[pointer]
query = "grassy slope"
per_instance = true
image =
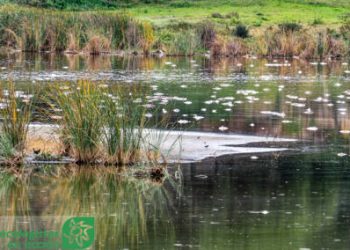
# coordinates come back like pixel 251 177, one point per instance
pixel 274 11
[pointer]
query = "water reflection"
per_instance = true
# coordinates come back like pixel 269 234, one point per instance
pixel 285 203
pixel 268 202
pixel 128 211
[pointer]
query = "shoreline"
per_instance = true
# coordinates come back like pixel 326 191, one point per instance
pixel 177 146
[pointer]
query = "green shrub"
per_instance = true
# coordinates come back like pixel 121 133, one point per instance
pixel 241 31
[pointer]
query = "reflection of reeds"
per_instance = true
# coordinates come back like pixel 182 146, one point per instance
pixel 117 203
pixel 124 207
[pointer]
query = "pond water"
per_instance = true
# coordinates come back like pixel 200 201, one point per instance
pixel 295 200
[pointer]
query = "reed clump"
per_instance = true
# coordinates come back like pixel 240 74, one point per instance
pixel 81 125
pixel 15 112
pixel 101 124
pixel 292 40
pixel 36 30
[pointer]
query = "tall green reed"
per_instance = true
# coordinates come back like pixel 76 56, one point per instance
pixel 15 112
pixel 81 124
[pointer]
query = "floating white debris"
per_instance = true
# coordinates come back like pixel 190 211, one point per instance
pixel 198 117
pixel 148 115
pixel 176 110
pixel 337 84
pixel 178 245
pixel 201 176
pixel 164 111
pixel 282 115
pixel 223 128
pixel 254 157
pixel 341 154
pixel 203 109
pixel 312 129
pixel 188 102
pixel 259 212
pixel 252 125
pixel 298 105
pixel 183 121
pixel 214 111
pixel 344 131
pixel 227 104
pixel 293 97
pixel 308 111
pixel 184 86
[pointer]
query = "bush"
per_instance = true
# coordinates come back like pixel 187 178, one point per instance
pixel 241 31
pixel 217 15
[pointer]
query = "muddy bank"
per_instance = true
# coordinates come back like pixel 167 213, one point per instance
pixel 176 146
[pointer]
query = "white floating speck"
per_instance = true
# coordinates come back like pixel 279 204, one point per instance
pixel 259 212
pixel 223 128
pixel 312 129
pixel 183 121
pixel 198 117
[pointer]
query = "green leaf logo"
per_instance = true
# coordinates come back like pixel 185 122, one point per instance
pixel 78 233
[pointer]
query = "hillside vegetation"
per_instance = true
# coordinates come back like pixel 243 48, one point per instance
pixel 302 28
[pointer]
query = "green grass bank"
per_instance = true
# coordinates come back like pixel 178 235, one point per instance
pixel 308 29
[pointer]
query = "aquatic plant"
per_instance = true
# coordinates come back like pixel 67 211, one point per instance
pixel 103 124
pixel 207 34
pixel 35 30
pixel 124 122
pixel 81 123
pixel 15 113
pixel 183 43
pixel 148 38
